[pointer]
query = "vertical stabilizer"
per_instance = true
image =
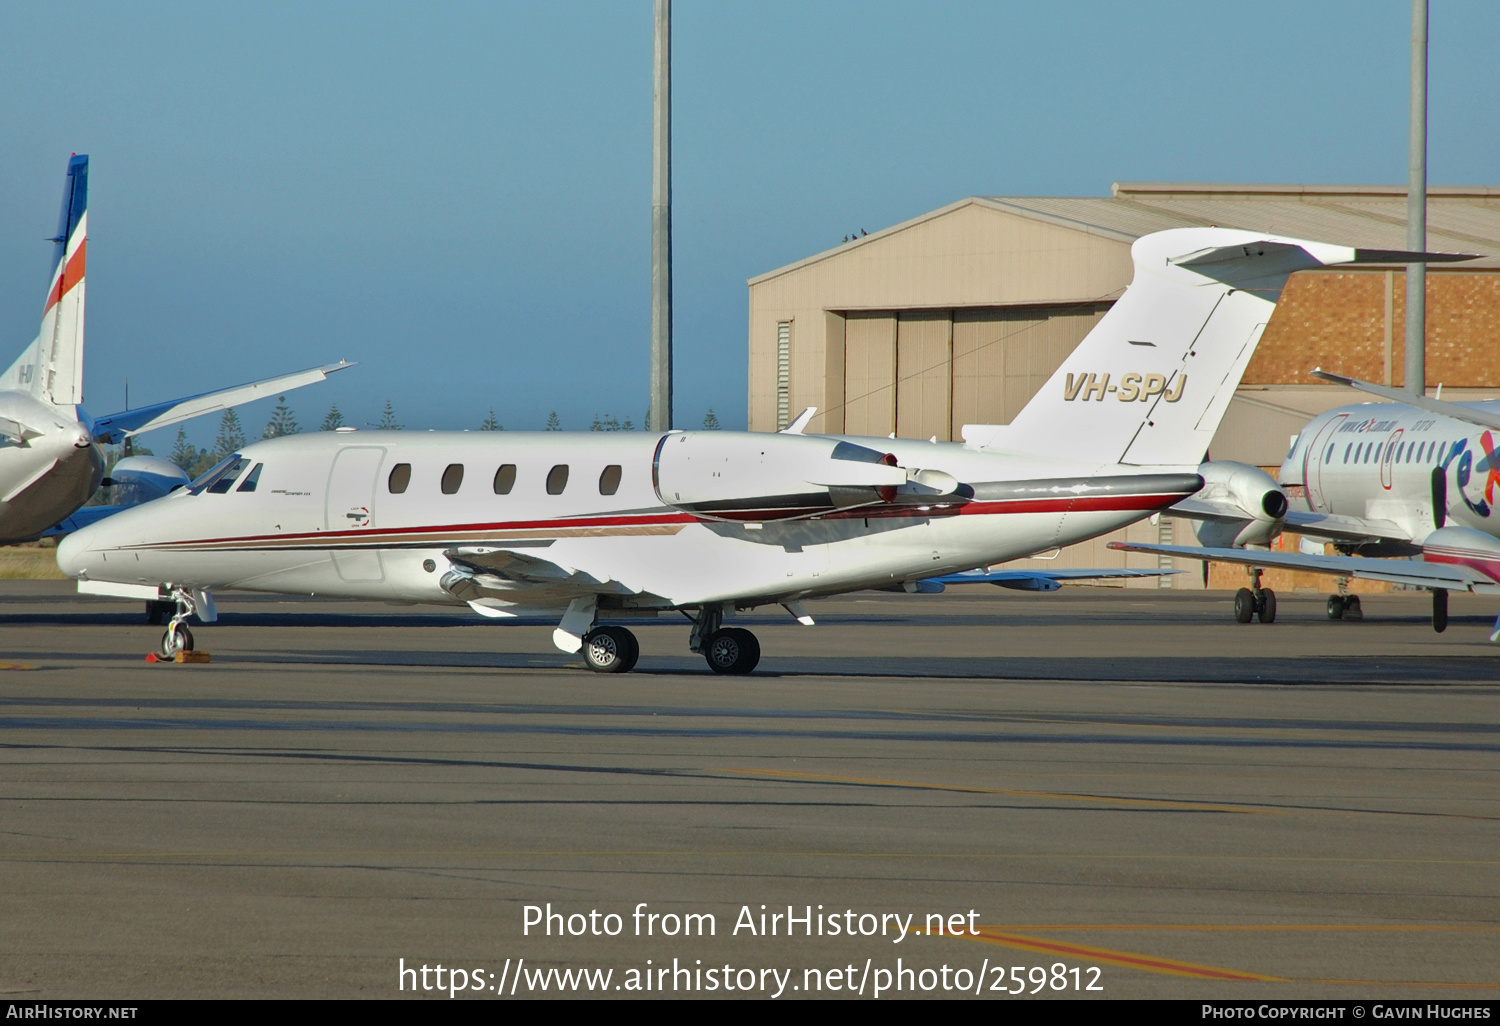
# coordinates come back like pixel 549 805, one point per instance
pixel 51 369
pixel 1150 384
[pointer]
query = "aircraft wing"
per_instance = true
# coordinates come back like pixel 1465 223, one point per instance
pixel 1455 410
pixel 1334 525
pixel 482 571
pixel 81 518
pixel 1031 580
pixel 115 427
pixel 1414 572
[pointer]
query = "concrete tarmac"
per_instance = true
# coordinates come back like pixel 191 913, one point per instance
pixel 1126 783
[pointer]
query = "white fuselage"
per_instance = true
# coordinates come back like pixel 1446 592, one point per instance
pixel 1375 461
pixel 330 514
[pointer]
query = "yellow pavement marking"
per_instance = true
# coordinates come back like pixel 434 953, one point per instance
pixel 1006 937
pixel 1124 959
pixel 919 785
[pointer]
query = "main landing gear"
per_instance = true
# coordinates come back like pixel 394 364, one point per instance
pixel 1255 601
pixel 1344 606
pixel 607 649
pixel 733 651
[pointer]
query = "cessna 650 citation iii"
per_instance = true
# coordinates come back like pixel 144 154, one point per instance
pixel 50 460
pixel 607 526
pixel 1414 478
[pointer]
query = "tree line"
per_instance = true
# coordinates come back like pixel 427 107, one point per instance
pixel 231 437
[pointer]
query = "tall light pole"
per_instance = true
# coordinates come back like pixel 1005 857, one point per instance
pixel 661 223
pixel 1416 207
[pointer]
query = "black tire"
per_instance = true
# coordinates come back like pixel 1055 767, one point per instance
pixel 1265 608
pixel 171 646
pixel 1244 605
pixel 610 650
pixel 733 651
pixel 1335 607
pixel 1439 610
pixel 1352 610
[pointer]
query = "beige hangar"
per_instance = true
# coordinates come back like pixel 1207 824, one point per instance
pixel 958 316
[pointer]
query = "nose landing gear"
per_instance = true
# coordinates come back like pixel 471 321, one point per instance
pixel 178 638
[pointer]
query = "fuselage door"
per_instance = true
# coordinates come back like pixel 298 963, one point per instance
pixel 1389 457
pixel 350 509
pixel 1316 459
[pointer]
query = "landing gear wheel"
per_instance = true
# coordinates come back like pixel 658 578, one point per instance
pixel 1265 605
pixel 733 651
pixel 1352 611
pixel 610 650
pixel 1335 607
pixel 1439 610
pixel 177 639
pixel 1244 605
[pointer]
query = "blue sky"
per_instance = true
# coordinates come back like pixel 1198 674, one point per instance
pixel 458 195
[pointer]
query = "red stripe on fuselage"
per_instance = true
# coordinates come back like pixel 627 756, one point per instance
pixel 1071 504
pixel 72 275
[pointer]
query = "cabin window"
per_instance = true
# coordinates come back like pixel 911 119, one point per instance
pixel 452 478
pixel 505 478
pixel 1399 450
pixel 609 481
pixel 225 480
pixel 1346 451
pixel 557 479
pixel 399 479
pixel 1328 456
pixel 251 479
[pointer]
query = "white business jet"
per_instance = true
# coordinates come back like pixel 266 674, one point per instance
pixel 1411 478
pixel 597 527
pixel 50 457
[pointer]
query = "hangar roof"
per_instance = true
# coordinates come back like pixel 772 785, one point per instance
pixel 1460 219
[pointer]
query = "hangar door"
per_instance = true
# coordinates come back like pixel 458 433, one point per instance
pixel 922 373
pixel 1002 355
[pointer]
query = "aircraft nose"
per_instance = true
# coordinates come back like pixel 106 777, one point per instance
pixel 73 553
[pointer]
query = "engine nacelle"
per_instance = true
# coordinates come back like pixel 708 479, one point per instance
pixel 754 477
pixel 1240 489
pixel 143 478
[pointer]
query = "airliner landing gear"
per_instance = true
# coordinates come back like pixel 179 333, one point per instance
pixel 610 650
pixel 1255 601
pixel 1439 609
pixel 729 650
pixel 1344 607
